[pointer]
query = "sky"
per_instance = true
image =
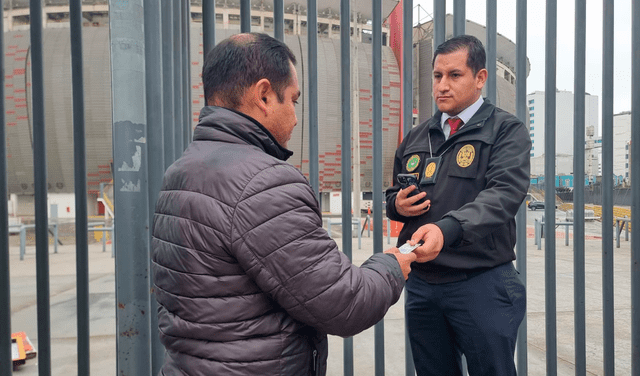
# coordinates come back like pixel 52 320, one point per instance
pixel 536 20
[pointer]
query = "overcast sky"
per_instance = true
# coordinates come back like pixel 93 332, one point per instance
pixel 536 16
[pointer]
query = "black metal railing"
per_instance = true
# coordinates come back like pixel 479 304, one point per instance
pixel 152 125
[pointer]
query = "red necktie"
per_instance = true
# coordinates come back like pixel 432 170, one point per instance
pixel 455 124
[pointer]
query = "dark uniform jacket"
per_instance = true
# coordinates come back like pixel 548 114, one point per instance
pixel 247 280
pixel 481 182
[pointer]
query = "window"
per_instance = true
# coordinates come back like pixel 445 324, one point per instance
pixel 530 115
pixel 626 156
pixel 531 155
pixel 532 128
pixel 531 121
pixel 626 174
pixel 532 148
pixel 531 101
pixel 531 108
pixel 532 141
pixel 626 147
pixel 625 165
pixel 530 134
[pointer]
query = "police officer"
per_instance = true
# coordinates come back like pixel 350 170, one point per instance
pixel 472 161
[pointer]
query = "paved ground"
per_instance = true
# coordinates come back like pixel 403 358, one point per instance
pixel 102 298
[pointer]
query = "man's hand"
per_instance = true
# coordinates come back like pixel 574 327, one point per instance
pixel 404 260
pixel 433 242
pixel 405 205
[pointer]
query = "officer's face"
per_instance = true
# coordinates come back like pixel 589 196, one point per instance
pixel 455 87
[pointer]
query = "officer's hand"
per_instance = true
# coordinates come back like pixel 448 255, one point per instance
pixel 405 205
pixel 404 260
pixel 433 242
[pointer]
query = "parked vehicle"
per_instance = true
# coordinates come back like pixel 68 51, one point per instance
pixel 534 205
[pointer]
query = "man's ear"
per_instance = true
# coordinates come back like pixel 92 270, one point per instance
pixel 482 78
pixel 262 95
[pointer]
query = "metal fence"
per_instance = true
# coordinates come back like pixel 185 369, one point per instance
pixel 151 128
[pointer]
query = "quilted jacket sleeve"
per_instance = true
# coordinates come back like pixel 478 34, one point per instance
pixel 278 239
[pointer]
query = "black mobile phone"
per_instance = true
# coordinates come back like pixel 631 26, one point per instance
pixel 407 180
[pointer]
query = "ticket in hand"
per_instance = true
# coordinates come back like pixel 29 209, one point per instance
pixel 408 248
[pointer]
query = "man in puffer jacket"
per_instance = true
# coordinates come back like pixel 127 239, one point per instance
pixel 247 280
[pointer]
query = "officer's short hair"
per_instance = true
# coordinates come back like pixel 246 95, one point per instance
pixel 477 56
pixel 240 61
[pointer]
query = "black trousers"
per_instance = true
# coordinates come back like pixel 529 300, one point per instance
pixel 478 317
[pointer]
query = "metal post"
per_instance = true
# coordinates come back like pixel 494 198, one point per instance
pixel 80 187
pixel 186 76
pixel 245 16
pixel 208 26
pixel 439 22
pixel 549 171
pixel 459 17
pixel 521 217
pixel 579 278
pixel 407 120
pixel 130 187
pixel 345 83
pixel 23 242
pixel 177 80
pixel 40 192
pixel 5 283
pixel 155 144
pixel 635 190
pixel 377 164
pixel 407 66
pixel 312 35
pixel 491 47
pixel 168 108
pixel 278 19
pixel 607 189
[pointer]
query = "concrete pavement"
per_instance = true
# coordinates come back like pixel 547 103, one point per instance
pixel 102 311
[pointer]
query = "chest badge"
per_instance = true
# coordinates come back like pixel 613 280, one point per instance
pixel 465 156
pixel 413 162
pixel 430 170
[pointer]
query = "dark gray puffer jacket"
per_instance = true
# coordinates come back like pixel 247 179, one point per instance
pixel 248 281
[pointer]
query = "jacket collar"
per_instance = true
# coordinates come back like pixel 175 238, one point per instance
pixel 226 125
pixel 479 118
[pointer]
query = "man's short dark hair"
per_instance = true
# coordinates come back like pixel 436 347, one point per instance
pixel 240 61
pixel 477 57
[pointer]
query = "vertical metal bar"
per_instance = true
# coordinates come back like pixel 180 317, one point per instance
pixel 407 66
pixel 521 217
pixel 607 188
pixel 186 75
pixel 80 189
pixel 245 16
pixel 155 144
pixel 40 185
pixel 579 281
pixel 407 119
pixel 549 182
pixel 312 35
pixel 278 19
pixel 5 281
pixel 345 84
pixel 635 188
pixel 491 47
pixel 177 80
pixel 459 17
pixel 208 26
pixel 377 164
pixel 439 22
pixel 130 187
pixel 168 108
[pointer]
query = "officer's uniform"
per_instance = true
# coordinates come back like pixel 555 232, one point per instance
pixel 469 299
